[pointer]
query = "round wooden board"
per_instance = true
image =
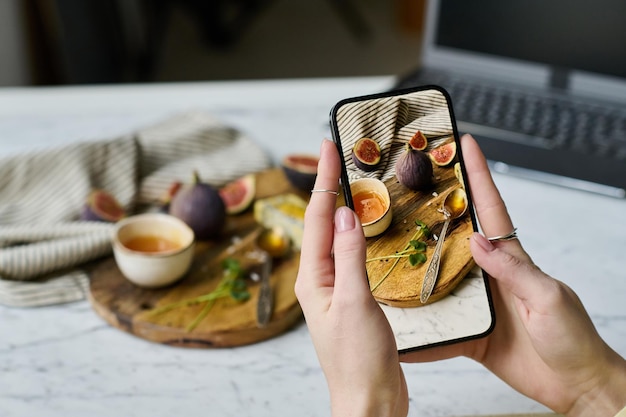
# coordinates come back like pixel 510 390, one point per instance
pixel 402 286
pixel 229 323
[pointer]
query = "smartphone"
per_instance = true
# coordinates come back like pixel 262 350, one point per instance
pixel 403 174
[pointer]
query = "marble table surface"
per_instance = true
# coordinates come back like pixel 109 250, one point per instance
pixel 65 360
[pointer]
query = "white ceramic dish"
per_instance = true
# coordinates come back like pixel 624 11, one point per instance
pixel 382 222
pixel 153 250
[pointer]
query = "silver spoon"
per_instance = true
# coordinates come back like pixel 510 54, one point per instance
pixel 273 243
pixel 454 206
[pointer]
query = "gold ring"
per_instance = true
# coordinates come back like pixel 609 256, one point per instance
pixel 510 236
pixel 325 191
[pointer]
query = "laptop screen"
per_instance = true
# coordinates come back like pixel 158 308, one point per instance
pixel 541 84
pixel 568 34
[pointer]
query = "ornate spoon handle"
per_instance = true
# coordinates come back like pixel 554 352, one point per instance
pixel 433 268
pixel 265 303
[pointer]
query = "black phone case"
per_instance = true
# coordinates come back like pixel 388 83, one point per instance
pixel 369 114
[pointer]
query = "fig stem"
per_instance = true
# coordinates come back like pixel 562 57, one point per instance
pixel 196 177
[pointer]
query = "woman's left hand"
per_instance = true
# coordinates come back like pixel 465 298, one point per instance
pixel 351 335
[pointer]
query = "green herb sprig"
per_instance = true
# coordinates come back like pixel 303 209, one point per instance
pixel 414 250
pixel 232 284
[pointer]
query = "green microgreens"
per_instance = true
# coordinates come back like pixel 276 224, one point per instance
pixel 231 285
pixel 414 251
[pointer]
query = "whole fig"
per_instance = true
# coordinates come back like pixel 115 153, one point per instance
pixel 201 207
pixel 414 169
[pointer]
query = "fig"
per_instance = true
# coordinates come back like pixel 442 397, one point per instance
pixel 201 207
pixel 418 141
pixel 102 206
pixel 238 194
pixel 366 154
pixel 301 170
pixel 414 169
pixel 443 155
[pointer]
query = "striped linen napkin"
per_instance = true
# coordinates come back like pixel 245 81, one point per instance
pixel 391 122
pixel 43 244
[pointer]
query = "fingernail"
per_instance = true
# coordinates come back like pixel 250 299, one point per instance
pixel 344 219
pixel 483 242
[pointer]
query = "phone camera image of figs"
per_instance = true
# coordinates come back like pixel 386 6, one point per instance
pixel 418 141
pixel 102 206
pixel 201 207
pixel 414 169
pixel 301 170
pixel 443 155
pixel 366 154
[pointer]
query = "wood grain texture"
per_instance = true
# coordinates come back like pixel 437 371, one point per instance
pixel 229 323
pixel 402 286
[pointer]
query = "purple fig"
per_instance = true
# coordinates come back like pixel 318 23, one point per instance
pixel 201 207
pixel 414 169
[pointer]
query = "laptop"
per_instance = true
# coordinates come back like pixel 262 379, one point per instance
pixel 540 84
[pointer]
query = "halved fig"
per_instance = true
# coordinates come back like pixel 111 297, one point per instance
pixel 301 170
pixel 366 154
pixel 238 194
pixel 443 155
pixel 418 141
pixel 102 206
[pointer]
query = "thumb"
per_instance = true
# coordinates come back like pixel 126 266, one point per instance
pixel 349 255
pixel 519 276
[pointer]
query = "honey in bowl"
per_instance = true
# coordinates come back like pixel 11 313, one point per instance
pixel 368 205
pixel 151 244
pixel 372 203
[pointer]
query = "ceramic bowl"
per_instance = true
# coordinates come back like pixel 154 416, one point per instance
pixel 153 250
pixel 300 170
pixel 373 205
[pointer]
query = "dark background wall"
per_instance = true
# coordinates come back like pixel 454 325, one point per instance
pixel 112 41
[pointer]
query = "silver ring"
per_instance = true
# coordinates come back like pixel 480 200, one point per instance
pixel 325 191
pixel 510 236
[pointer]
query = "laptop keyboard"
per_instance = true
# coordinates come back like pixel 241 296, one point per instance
pixel 544 121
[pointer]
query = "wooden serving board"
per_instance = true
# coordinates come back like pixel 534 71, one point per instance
pixel 229 322
pixel 402 286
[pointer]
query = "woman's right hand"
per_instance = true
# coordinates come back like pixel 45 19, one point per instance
pixel 544 344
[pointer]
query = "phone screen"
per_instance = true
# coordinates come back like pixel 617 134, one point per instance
pixel 404 176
